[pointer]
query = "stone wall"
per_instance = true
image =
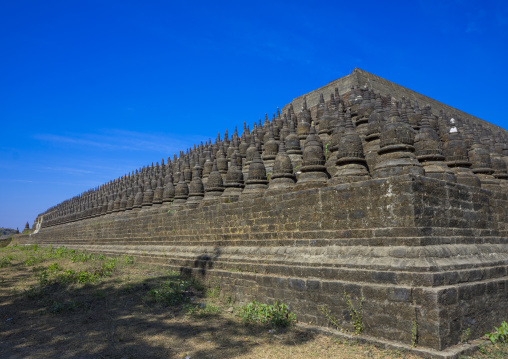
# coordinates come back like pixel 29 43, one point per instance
pixel 418 250
pixel 365 199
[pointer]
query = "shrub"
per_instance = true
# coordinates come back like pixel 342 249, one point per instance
pixel 500 335
pixel 277 315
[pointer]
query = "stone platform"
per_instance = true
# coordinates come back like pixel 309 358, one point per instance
pixel 419 251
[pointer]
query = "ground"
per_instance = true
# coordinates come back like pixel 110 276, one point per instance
pixel 58 303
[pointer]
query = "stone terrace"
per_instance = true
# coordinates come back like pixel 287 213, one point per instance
pixel 398 200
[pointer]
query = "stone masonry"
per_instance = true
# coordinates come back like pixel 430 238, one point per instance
pixel 362 188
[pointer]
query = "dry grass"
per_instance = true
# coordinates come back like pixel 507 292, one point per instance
pixel 115 316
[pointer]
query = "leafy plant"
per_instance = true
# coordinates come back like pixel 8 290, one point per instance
pixel 356 314
pixel 414 334
pixel 464 337
pixel 171 292
pixel 500 335
pixel 86 277
pixel 277 315
pixel 128 259
pixel 213 292
pixel 54 267
pixel 330 317
pixel 6 261
pixel 31 260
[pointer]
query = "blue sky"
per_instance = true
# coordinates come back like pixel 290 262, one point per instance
pixel 90 90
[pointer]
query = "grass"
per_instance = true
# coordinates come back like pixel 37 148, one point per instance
pixel 58 302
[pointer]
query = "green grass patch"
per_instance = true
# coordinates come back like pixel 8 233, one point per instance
pixel 276 315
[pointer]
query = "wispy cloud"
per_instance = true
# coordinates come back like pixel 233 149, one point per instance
pixel 472 27
pixel 119 140
pixel 67 170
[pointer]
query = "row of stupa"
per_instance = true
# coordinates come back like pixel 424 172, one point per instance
pixel 354 137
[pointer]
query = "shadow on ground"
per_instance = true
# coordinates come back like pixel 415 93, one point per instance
pixel 115 319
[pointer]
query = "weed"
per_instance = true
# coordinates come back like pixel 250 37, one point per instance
pixel 196 284
pixel 82 257
pixel 57 307
pixel 356 314
pixel 31 247
pixel 68 276
pixel 201 310
pixel 464 336
pixel 277 315
pixel 172 292
pixel 327 151
pixel 5 261
pixel 31 260
pixel 268 175
pixel 86 277
pixel 43 278
pixel 329 316
pixel 107 267
pixel 54 267
pixel 500 335
pixel 128 259
pixel 414 334
pixel 213 292
pixel 295 170
pixel 35 292
pixel 60 252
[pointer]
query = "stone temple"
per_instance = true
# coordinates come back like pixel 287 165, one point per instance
pixel 361 187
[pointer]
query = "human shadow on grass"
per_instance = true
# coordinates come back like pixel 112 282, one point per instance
pixel 105 319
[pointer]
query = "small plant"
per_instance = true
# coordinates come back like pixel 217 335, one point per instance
pixel 295 170
pixel 464 336
pixel 327 152
pixel 31 260
pixel 54 267
pixel 268 175
pixel 5 261
pixel 277 315
pixel 68 276
pixel 213 292
pixel 82 257
pixel 201 310
pixel 107 267
pixel 57 307
pixel 500 335
pixel 172 292
pixel 34 292
pixel 329 316
pixel 414 334
pixel 43 278
pixel 60 252
pixel 128 259
pixel 86 277
pixel 356 314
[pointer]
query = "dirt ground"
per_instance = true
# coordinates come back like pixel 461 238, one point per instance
pixel 50 309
